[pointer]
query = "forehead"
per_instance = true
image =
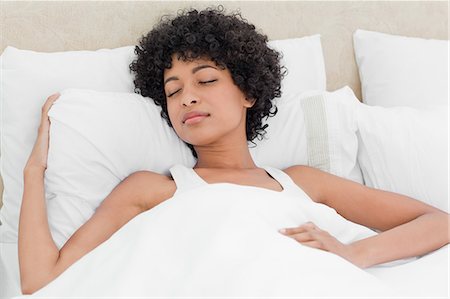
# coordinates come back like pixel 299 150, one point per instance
pixel 179 64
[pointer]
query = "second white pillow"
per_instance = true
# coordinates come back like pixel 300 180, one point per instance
pixel 405 150
pixel 401 71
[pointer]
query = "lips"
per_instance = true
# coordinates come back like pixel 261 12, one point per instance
pixel 194 114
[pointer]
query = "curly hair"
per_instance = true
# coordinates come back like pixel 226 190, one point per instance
pixel 230 42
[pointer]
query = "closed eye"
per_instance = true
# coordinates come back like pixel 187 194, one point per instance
pixel 173 93
pixel 201 82
pixel 209 81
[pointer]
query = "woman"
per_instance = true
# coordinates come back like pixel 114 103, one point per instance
pixel 215 77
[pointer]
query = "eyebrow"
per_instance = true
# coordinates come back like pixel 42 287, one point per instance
pixel 194 70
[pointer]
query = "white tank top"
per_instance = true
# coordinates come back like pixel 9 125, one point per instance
pixel 186 179
pixel 290 207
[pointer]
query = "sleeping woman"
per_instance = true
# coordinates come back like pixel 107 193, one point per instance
pixel 215 78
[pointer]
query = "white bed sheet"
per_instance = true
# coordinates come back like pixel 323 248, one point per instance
pixel 237 224
pixel 426 277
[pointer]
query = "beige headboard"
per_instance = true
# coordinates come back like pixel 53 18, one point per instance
pixel 89 25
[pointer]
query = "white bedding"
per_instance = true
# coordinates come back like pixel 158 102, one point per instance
pixel 215 242
pixel 426 277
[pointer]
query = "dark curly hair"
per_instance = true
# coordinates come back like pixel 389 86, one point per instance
pixel 229 41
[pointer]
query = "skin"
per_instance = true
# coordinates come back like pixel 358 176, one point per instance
pixel 223 156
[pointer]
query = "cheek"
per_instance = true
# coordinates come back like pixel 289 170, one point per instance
pixel 172 113
pixel 230 116
pixel 233 112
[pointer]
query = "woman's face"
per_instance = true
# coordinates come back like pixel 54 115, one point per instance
pixel 203 103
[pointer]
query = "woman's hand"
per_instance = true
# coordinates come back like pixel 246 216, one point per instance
pixel 38 156
pixel 310 235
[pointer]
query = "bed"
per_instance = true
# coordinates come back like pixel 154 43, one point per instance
pixel 366 98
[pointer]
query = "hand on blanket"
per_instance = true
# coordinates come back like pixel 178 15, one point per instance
pixel 39 154
pixel 310 235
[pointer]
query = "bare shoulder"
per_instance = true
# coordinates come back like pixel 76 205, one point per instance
pixel 309 179
pixel 152 188
pixel 297 170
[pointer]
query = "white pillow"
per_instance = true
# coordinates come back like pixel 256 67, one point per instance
pixel 29 77
pixel 304 61
pixel 315 128
pixel 99 138
pixel 401 71
pixel 405 150
pixel 96 140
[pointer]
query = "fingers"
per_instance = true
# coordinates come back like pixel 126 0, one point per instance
pixel 304 237
pixel 45 122
pixel 312 236
pixel 49 102
pixel 315 244
pixel 308 226
pixel 307 234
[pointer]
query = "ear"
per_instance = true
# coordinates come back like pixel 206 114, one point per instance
pixel 249 102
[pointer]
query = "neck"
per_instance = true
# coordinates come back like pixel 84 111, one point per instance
pixel 230 151
pixel 229 156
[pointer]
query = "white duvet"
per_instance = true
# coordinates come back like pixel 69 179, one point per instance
pixel 220 240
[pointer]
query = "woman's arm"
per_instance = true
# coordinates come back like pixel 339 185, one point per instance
pixel 40 261
pixel 37 250
pixel 409 227
pixel 35 239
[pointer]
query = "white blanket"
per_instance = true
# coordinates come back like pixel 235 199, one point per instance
pixel 220 240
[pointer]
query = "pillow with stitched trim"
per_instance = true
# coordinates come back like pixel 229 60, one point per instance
pixel 99 138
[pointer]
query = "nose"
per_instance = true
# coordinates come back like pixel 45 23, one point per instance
pixel 189 101
pixel 189 98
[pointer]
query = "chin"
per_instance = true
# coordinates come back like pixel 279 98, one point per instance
pixel 199 137
pixel 199 141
